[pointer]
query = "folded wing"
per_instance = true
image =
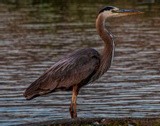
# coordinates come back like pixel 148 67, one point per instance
pixel 75 69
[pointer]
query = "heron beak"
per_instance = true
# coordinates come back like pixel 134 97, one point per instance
pixel 128 11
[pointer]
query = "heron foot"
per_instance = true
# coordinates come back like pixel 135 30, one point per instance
pixel 72 109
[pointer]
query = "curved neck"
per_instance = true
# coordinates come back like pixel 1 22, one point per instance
pixel 102 31
pixel 108 51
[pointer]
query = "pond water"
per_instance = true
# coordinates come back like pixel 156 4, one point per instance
pixel 32 37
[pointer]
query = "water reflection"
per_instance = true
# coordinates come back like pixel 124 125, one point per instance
pixel 34 35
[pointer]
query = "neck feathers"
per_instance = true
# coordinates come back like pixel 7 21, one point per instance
pixel 102 31
pixel 108 51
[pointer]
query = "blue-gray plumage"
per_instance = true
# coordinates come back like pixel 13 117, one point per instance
pixel 81 67
pixel 67 72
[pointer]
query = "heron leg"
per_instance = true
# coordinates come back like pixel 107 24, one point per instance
pixel 72 109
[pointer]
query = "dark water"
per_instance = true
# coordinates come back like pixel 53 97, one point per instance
pixel 33 35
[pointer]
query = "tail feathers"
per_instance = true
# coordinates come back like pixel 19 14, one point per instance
pixel 30 96
pixel 34 90
pixel 31 91
pixel 42 85
pixel 35 94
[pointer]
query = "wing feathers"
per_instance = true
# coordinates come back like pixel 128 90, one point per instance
pixel 65 73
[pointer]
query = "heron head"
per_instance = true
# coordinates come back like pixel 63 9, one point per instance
pixel 111 11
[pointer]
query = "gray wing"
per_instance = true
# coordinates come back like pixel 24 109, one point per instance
pixel 66 73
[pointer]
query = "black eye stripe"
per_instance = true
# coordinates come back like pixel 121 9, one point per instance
pixel 106 8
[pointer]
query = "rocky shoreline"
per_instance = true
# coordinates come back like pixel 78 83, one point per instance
pixel 100 122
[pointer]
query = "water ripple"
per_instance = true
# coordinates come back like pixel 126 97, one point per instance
pixel 129 89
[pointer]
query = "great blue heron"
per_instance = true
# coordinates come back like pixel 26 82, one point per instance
pixel 80 67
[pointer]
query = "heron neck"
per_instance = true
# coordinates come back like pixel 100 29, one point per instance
pixel 106 36
pixel 102 31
